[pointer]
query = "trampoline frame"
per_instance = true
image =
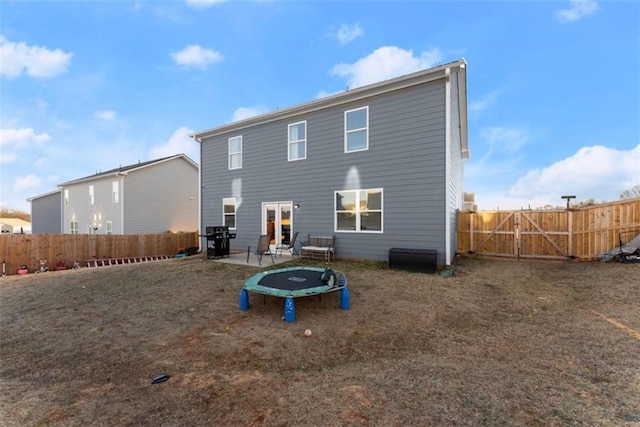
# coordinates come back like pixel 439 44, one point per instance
pixel 253 285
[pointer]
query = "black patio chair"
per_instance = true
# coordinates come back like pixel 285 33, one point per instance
pixel 288 246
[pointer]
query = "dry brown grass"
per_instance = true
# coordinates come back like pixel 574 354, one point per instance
pixel 499 343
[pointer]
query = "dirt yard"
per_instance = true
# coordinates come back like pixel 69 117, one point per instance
pixel 498 343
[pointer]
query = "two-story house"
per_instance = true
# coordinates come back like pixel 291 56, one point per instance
pixel 46 212
pixel 144 198
pixel 378 167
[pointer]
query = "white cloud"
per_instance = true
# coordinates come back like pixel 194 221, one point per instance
pixel 248 112
pixel 178 143
pixel 19 138
pixel 203 4
pixel 504 139
pixel 577 10
pixel 7 158
pixel 35 61
pixel 484 103
pixel 325 94
pixel 195 56
pixel 348 33
pixel 500 156
pixel 593 172
pixel 384 63
pixel 26 184
pixel 106 115
pixel 596 172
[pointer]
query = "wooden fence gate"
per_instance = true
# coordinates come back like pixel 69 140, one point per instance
pixel 553 234
pixel 519 234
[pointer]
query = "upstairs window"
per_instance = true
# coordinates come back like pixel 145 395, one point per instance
pixel 91 195
pixel 298 141
pixel 356 130
pixel 359 211
pixel 66 197
pixel 115 192
pixel 229 212
pixel 235 152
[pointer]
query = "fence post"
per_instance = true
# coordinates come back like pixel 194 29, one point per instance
pixel 570 236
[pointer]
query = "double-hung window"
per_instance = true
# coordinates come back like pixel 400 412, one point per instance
pixel 229 212
pixel 298 141
pixel 74 227
pixel 235 152
pixel 66 197
pixel 359 211
pixel 91 195
pixel 356 130
pixel 109 225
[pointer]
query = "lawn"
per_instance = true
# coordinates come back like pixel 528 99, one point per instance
pixel 498 343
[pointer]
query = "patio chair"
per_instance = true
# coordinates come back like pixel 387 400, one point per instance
pixel 261 249
pixel 288 246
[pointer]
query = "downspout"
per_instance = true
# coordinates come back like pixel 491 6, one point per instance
pixel 61 209
pixel 199 141
pixel 447 163
pixel 121 175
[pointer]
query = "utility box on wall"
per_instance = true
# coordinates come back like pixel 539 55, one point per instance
pixel 420 260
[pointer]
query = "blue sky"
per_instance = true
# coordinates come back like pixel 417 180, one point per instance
pixel 553 86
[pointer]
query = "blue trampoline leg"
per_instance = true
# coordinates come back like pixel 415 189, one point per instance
pixel 244 300
pixel 345 300
pixel 289 310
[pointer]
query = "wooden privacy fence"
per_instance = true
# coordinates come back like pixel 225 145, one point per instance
pixel 583 233
pixel 28 249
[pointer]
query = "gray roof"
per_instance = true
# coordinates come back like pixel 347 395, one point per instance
pixel 39 196
pixel 126 169
pixel 422 76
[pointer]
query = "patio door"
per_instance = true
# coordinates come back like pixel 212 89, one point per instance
pixel 277 221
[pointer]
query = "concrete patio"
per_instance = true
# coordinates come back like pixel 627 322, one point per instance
pixel 240 258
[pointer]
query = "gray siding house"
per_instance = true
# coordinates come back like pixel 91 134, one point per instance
pixel 144 198
pixel 378 167
pixel 46 213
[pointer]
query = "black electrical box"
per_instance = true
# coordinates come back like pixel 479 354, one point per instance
pixel 420 260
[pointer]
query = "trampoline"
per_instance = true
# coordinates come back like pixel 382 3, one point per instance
pixel 295 282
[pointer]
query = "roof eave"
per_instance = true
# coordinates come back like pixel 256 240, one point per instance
pixel 128 169
pixel 390 85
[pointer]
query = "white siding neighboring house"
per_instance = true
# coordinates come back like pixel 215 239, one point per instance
pixel 145 198
pixel 15 226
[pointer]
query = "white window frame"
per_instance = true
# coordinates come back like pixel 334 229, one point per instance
pixel 357 210
pixel 235 154
pixel 92 198
pixel 66 197
pixel 109 227
pixel 230 201
pixel 115 191
pixel 296 142
pixel 74 227
pixel 347 132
